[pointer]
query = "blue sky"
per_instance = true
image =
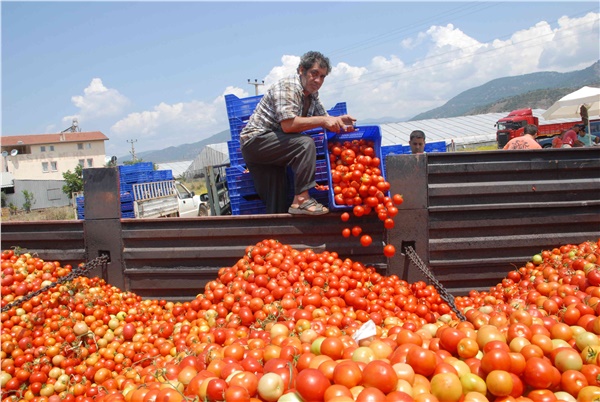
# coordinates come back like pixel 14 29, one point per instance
pixel 156 72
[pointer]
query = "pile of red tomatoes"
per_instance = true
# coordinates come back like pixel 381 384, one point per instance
pixel 295 325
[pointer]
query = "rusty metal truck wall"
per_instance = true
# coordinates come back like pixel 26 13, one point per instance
pixel 52 240
pixel 472 216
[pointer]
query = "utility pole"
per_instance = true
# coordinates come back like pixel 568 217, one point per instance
pixel 132 152
pixel 256 84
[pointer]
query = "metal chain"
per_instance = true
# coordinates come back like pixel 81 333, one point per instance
pixel 75 273
pixel 444 294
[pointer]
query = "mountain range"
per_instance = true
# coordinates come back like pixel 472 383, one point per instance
pixel 535 90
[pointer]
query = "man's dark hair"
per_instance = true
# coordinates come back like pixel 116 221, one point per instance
pixel 530 129
pixel 417 134
pixel 308 60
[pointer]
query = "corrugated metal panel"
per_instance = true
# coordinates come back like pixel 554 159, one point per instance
pixel 52 240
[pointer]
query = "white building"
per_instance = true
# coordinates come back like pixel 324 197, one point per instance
pixel 36 163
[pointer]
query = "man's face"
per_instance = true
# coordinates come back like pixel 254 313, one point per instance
pixel 417 145
pixel 581 132
pixel 312 79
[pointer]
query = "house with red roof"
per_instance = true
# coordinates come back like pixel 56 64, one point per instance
pixel 36 163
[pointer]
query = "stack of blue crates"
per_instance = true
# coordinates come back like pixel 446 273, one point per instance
pixel 243 197
pixel 129 175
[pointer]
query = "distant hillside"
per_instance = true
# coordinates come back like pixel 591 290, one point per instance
pixel 184 152
pixel 503 89
pixel 540 99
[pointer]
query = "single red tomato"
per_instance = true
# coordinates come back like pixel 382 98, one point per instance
pixel 389 250
pixel 311 384
pixel 381 375
pixel 347 373
pixel 538 373
pixel 397 199
pixel 366 240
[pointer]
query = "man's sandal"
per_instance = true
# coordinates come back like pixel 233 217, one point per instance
pixel 309 207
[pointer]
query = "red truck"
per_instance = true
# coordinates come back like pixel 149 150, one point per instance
pixel 512 126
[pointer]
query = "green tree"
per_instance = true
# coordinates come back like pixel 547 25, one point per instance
pixel 29 200
pixel 74 181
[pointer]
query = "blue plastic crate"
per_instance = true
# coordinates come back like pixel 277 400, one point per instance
pixel 241 206
pixel 239 181
pixel 235 153
pixel 438 146
pixel 133 178
pixel 338 110
pixel 372 133
pixel 236 126
pixel 241 108
pixel 125 188
pixel 322 171
pixel 138 167
pixel 128 214
pixel 319 139
pixel 126 197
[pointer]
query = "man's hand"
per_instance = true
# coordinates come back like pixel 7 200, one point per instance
pixel 336 124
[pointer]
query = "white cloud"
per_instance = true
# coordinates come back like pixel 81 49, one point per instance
pixel 574 42
pixel 455 62
pixel 97 102
pixel 174 124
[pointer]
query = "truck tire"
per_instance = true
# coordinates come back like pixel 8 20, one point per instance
pixel 203 210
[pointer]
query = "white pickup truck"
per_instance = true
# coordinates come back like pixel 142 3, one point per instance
pixel 167 198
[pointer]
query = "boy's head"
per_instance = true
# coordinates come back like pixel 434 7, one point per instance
pixel 417 142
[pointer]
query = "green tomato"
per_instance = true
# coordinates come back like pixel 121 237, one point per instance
pixel 315 347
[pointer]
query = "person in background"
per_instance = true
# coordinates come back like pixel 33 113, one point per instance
pixel 526 141
pixel 586 138
pixel 417 142
pixel 272 139
pixel 570 137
